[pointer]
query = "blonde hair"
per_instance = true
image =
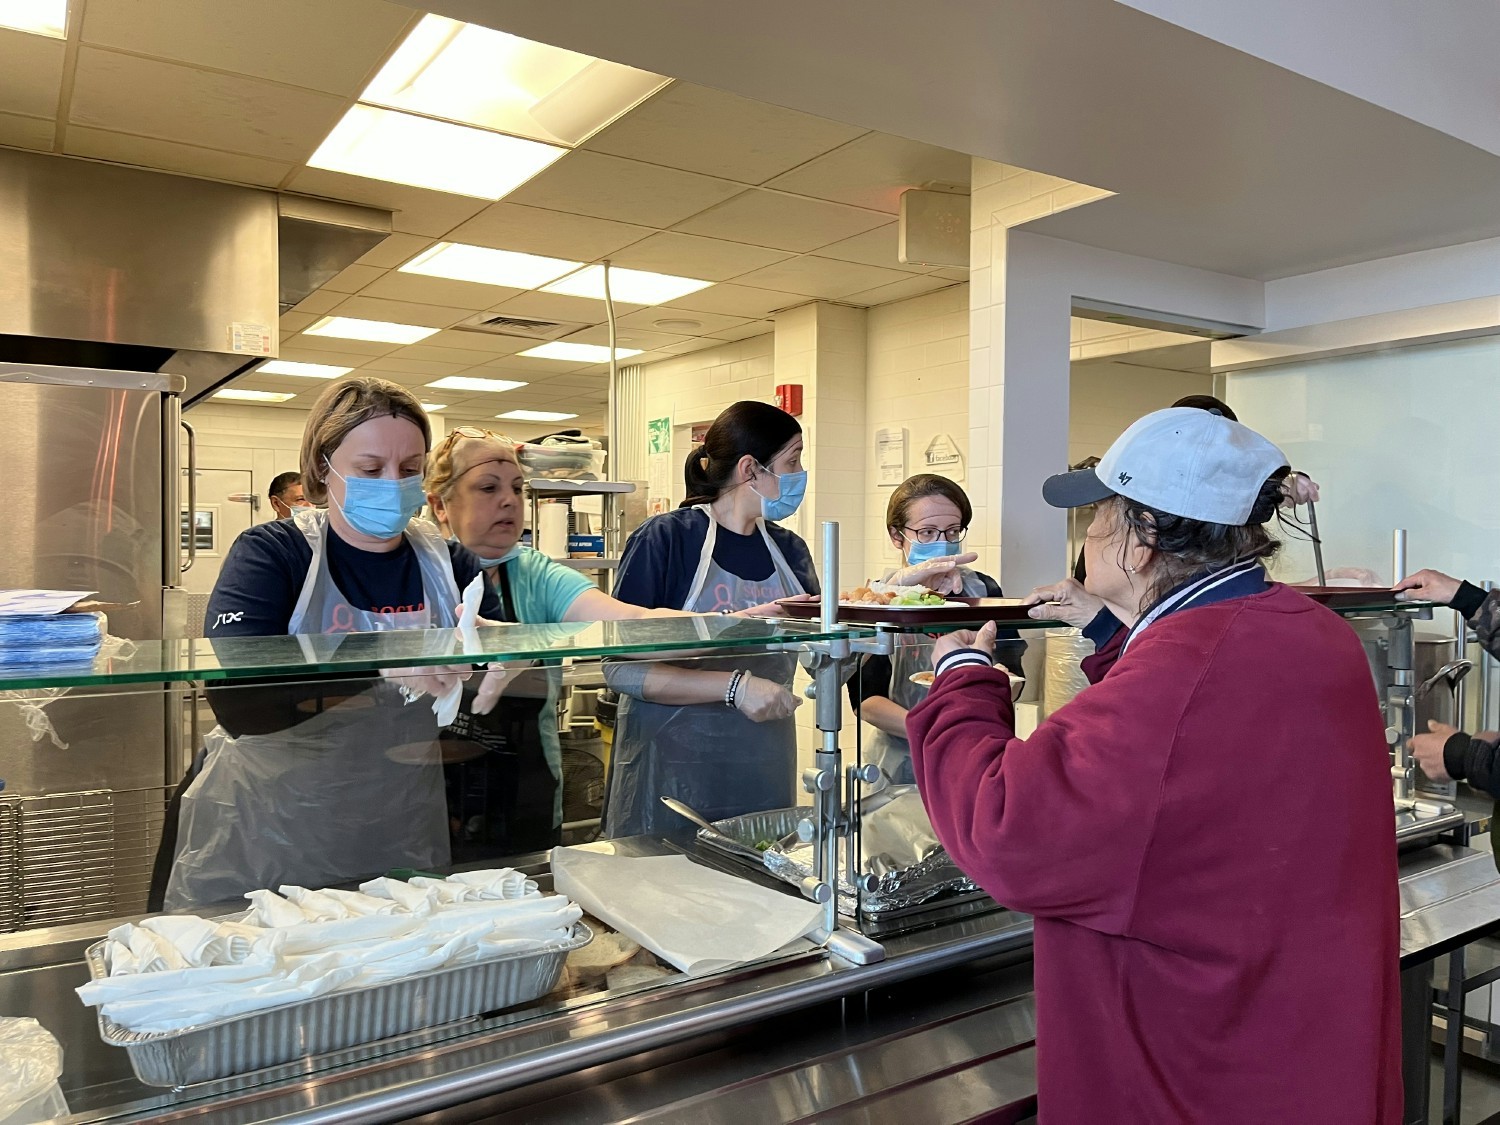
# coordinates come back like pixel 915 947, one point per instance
pixel 441 474
pixel 338 410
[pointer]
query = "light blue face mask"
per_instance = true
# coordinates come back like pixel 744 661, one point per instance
pixel 789 499
pixel 379 507
pixel 926 552
pixel 510 554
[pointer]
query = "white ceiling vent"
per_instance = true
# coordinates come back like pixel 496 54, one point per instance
pixel 527 327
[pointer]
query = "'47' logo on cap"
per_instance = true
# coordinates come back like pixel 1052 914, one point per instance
pixel 1125 478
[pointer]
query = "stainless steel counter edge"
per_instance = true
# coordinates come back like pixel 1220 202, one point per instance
pixel 318 1099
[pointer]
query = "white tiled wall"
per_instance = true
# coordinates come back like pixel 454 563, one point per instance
pixel 1105 398
pixel 264 440
pixel 695 387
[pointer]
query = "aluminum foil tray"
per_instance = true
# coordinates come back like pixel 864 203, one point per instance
pixel 334 1021
pixel 928 878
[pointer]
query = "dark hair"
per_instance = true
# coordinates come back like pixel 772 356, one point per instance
pixel 1208 402
pixel 919 487
pixel 281 482
pixel 1187 548
pixel 756 428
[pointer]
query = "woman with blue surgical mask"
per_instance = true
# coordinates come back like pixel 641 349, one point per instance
pixel 317 784
pixel 927 519
pixel 718 733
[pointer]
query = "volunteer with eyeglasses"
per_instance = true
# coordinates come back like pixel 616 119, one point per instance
pixel 927 519
pixel 716 733
pixel 319 783
pixel 507 797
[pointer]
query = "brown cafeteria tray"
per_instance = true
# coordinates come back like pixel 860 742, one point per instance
pixel 1340 597
pixel 972 611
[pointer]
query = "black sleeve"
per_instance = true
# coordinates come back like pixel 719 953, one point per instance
pixel 874 680
pixel 1470 759
pixel 1009 647
pixel 1468 599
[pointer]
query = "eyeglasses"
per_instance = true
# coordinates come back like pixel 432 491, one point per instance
pixel 468 432
pixel 933 534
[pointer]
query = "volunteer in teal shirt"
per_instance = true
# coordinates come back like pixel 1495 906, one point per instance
pixel 504 764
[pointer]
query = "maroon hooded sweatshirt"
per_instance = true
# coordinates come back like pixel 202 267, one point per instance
pixel 1204 838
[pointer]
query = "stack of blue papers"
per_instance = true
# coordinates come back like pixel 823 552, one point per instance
pixel 36 632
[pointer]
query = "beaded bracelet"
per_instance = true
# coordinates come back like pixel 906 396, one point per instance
pixel 732 691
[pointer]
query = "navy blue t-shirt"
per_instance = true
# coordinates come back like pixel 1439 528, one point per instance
pixel 262 579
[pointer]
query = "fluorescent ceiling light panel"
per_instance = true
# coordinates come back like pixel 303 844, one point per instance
pixel 253 396
pixel 458 261
pixel 578 353
pixel 470 383
pixel 476 76
pixel 434 407
pixel 536 415
pixel 378 331
pixel 636 287
pixel 380 144
pixel 302 370
pixel 39 17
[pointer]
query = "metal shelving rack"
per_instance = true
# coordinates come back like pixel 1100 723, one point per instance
pixel 545 488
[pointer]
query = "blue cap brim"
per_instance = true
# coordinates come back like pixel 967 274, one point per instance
pixel 1077 489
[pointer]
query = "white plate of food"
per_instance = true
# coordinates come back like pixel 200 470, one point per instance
pixel 889 596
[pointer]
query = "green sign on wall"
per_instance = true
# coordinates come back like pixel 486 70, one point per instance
pixel 659 435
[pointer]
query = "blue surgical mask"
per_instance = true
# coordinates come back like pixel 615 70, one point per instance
pixel 510 554
pixel 379 507
pixel 926 552
pixel 788 500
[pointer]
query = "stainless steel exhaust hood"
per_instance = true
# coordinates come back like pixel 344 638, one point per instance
pixel 122 268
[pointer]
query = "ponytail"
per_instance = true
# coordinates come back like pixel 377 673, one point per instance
pixel 756 428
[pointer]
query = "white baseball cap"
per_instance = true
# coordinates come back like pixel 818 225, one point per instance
pixel 1183 461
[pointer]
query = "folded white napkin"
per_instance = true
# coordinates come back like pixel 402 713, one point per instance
pixel 267 908
pixel 498 882
pixel 318 906
pixel 357 902
pixel 445 706
pixel 410 898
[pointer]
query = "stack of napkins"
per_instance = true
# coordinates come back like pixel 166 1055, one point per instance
pixel 36 630
pixel 178 971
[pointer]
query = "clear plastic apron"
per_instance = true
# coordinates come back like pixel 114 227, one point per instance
pixel 706 755
pixel 912 654
pixel 355 790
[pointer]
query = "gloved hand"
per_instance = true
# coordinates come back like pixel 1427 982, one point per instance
pixel 435 681
pixel 1359 575
pixel 761 700
pixel 941 576
pixel 1429 586
pixel 1065 601
pixel 1298 488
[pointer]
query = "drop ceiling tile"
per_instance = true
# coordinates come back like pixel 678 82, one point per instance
pixel 556 234
pixel 899 290
pixel 706 322
pixel 396 250
pixel 785 222
pixel 416 210
pixel 642 339
pixel 352 279
pixel 26 132
pixel 399 365
pixel 627 191
pixel 464 357
pixel 529 367
pixel 319 302
pixel 401 312
pixel 293 322
pixel 876 247
pixel 732 300
pixel 438 291
pixel 690 255
pixel 228 112
pixel 874 170
pixel 953 274
pixel 719 134
pixel 169 156
pixel 744 331
pixel 31 74
pixel 333 45
pixel 369 349
pixel 821 277
pixel 558 306
pixel 489 343
pixel 292 349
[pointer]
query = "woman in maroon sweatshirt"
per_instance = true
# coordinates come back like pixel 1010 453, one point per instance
pixel 1204 835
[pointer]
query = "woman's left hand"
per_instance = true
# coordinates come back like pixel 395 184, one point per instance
pixel 983 640
pixel 941 576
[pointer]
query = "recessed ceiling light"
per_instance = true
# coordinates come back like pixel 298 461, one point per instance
pixel 253 396
pixel 378 331
pixel 477 76
pixel 670 325
pixel 381 144
pixel 434 407
pixel 39 17
pixel 637 287
pixel 469 383
pixel 460 262
pixel 304 370
pixel 536 415
pixel 578 353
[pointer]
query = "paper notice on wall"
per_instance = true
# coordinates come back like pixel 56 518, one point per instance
pixel 944 458
pixel 890 457
pixel 660 483
pixel 251 339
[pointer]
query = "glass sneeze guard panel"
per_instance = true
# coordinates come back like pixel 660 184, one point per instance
pixel 231 658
